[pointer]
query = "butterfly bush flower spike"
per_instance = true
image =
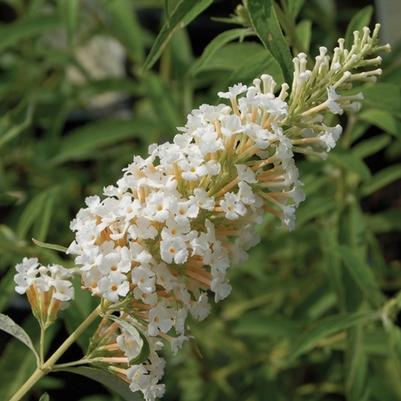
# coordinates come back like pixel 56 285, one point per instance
pixel 161 240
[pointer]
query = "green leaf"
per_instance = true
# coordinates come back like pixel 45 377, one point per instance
pixel 125 26
pixel 31 213
pixel 182 15
pixel 356 385
pixel 384 222
pixel 350 163
pixel 260 325
pixel 17 127
pixel 359 20
pixel 47 245
pixel 68 10
pixel 381 179
pixel 42 224
pixel 294 7
pixel 382 119
pixel 44 397
pixel 13 375
pixel 371 146
pixel 106 379
pixel 362 274
pixel 83 142
pixel 163 103
pixel 325 328
pixel 304 33
pixel 383 96
pixel 9 326
pixel 258 63
pixel 10 34
pixel 215 45
pixel 266 25
pixel 6 288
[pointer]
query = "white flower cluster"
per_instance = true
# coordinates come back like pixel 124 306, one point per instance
pixel 53 279
pixel 165 235
pixel 315 91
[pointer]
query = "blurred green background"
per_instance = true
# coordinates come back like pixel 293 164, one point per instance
pixel 314 314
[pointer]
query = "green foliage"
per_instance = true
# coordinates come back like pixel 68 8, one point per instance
pixel 313 313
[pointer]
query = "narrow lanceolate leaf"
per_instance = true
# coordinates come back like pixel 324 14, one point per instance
pixel 362 274
pixel 108 380
pixel 371 146
pixel 10 34
pixel 294 7
pixel 9 326
pixel 382 178
pixel 359 20
pixel 182 15
pixel 125 26
pixel 82 143
pixel 264 21
pixel 69 13
pixel 216 44
pixel 327 327
pixel 384 120
pixel 47 245
pixel 17 128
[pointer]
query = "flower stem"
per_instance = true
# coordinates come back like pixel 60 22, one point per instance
pixel 42 345
pixel 49 364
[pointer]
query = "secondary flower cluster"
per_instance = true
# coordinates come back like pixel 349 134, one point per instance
pixel 48 288
pixel 164 236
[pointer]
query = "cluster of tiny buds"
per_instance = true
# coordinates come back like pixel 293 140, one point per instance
pixel 163 238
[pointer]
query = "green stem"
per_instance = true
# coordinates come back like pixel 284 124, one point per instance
pixel 49 364
pixel 60 366
pixel 42 345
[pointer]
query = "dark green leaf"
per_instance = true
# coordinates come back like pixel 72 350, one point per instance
pixel 304 33
pixel 362 274
pixel 383 120
pixel 351 163
pixel 383 96
pixel 371 146
pixel 215 45
pixel 124 24
pixel 182 15
pixel 327 327
pixel 265 23
pixel 83 142
pixel 17 127
pixel 69 13
pixel 359 20
pixel 294 7
pixel 10 34
pixel 382 178
pixel 384 222
pixel 261 62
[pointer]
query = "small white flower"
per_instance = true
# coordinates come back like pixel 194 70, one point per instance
pixel 144 278
pixel 332 101
pixel 233 91
pixel 232 206
pixel 173 250
pixel 161 319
